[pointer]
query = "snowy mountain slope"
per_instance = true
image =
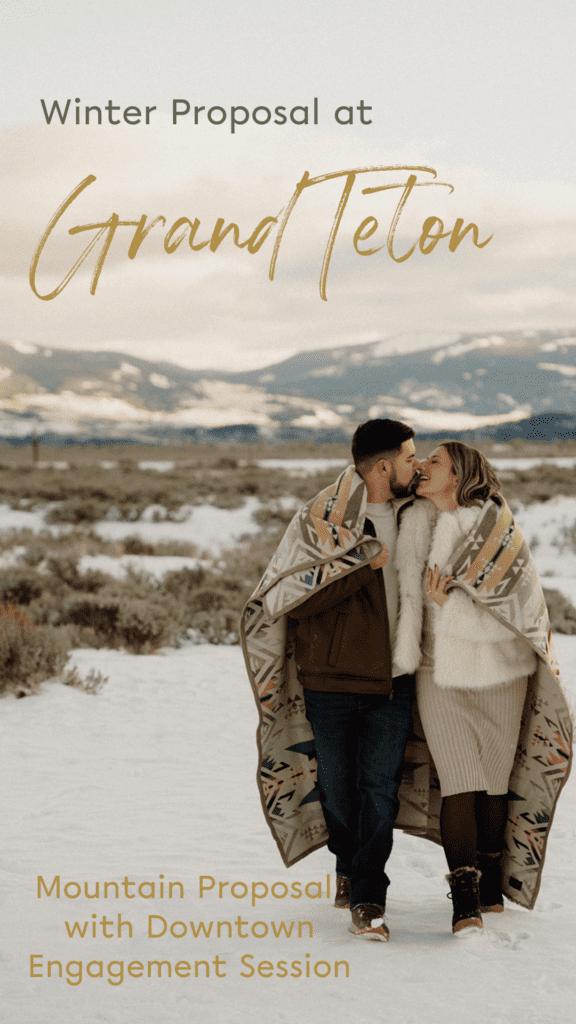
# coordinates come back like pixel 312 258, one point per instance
pixel 70 391
pixel 458 382
pixel 513 373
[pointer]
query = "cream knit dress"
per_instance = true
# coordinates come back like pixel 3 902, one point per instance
pixel 472 732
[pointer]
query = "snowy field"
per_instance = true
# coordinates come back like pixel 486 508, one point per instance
pixel 206 526
pixel 155 776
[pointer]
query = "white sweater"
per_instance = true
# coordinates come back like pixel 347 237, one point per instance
pixel 472 648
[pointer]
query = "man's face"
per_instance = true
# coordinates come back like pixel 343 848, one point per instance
pixel 405 471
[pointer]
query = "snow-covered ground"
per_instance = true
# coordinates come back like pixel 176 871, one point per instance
pixel 207 527
pixel 155 776
pixel 19 519
pixel 562 461
pixel 544 526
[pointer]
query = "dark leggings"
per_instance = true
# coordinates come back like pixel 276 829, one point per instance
pixel 471 822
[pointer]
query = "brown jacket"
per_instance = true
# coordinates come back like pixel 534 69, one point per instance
pixel 342 637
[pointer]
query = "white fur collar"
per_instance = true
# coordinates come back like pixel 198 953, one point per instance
pixel 414 535
pixel 451 529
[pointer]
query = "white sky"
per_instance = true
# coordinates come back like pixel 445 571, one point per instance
pixel 482 92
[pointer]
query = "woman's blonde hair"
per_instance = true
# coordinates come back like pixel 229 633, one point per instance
pixel 477 480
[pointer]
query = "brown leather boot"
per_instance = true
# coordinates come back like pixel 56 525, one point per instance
pixel 342 900
pixel 368 922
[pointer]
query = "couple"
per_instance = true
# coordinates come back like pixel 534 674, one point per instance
pixel 406 579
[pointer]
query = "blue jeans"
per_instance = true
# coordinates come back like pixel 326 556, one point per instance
pixel 360 741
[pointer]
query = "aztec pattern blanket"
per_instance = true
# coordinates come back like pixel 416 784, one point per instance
pixel 325 540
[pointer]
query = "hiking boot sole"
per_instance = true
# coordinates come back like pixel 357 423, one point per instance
pixel 378 933
pixel 468 923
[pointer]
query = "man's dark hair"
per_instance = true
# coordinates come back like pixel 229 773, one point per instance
pixel 378 439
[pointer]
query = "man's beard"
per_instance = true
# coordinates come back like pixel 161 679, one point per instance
pixel 404 490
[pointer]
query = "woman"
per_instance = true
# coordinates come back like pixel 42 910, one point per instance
pixel 472 673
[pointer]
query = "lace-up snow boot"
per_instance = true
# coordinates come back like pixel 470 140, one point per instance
pixel 491 898
pixel 368 922
pixel 342 899
pixel 465 895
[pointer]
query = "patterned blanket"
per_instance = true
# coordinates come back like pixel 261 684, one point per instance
pixel 325 540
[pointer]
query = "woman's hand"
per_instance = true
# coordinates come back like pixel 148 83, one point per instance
pixel 381 560
pixel 436 587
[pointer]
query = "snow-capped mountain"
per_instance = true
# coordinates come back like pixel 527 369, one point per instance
pixel 464 382
pixel 473 380
pixel 62 392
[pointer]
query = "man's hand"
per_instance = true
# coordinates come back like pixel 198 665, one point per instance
pixel 436 586
pixel 381 560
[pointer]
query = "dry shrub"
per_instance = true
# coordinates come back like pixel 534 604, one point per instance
pixel 66 570
pixel 78 510
pixel 73 543
pixel 179 548
pixel 134 545
pixel 273 517
pixel 15 614
pixel 216 627
pixel 539 484
pixel 20 586
pixel 28 653
pixel 208 600
pixel 140 624
pixel 92 683
pixel 143 626
pixel 95 615
pixel 181 584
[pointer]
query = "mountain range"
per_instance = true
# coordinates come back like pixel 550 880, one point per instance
pixel 513 383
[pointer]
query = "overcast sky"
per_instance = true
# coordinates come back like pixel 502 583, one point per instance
pixel 483 93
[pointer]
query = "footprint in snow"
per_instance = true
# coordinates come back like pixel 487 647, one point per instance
pixel 544 906
pixel 507 940
pixel 421 865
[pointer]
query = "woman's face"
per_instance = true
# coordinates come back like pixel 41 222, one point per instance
pixel 438 480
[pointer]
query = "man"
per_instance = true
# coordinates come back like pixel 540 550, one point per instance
pixel 357 702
